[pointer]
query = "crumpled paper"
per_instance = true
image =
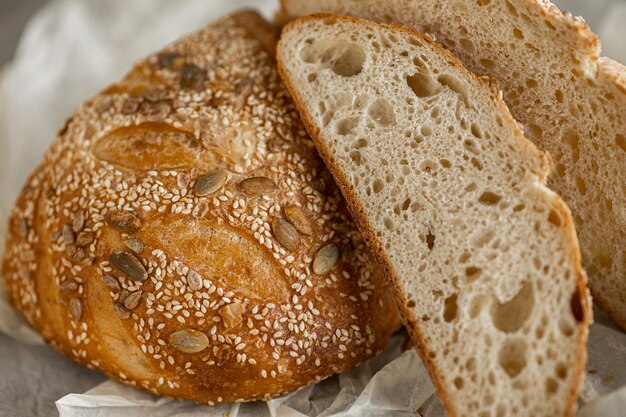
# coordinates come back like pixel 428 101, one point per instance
pixel 72 49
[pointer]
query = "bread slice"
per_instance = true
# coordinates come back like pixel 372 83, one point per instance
pixel 451 198
pixel 570 100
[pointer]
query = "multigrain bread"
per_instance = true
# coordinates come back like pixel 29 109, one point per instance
pixel 182 235
pixel 451 197
pixel 570 101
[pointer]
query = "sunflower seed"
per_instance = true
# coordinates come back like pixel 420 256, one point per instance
pixel 192 76
pixel 325 259
pixel 209 183
pixel 76 308
pixel 222 354
pixel 167 59
pixel 231 314
pixel 111 282
pixel 68 234
pixel 78 254
pixel 129 265
pixel 286 234
pixel 132 301
pixel 79 221
pixel 69 285
pixel 124 220
pixel 84 239
pixel 258 185
pixel 133 244
pixel 299 220
pixel 122 312
pixel 194 280
pixel 189 340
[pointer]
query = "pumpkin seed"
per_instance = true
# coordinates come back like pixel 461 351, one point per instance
pixel 124 220
pixel 325 259
pixel 192 76
pixel 133 244
pixel 111 282
pixel 194 280
pixel 68 235
pixel 132 301
pixel 209 183
pixel 121 311
pixel 299 220
pixel 129 265
pixel 84 239
pixel 79 221
pixel 167 59
pixel 76 308
pixel 231 314
pixel 286 234
pixel 258 185
pixel 189 340
pixel 69 285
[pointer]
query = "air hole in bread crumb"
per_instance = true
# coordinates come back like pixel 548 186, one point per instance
pixel 581 186
pixel 566 327
pixel 450 308
pixel 510 316
pixel 477 164
pixel 472 273
pixel 430 240
pixel 445 163
pixel 428 166
pixel 551 385
pixel 471 187
pixel 519 208
pixel 456 85
pixel 411 304
pixel 487 63
pixel 381 112
pixel 476 131
pixel 471 146
pixel 312 77
pixel 458 383
pixel 388 224
pixel 489 198
pixel 477 305
pixel 426 130
pixel 356 157
pixel 561 370
pixel 555 218
pixel 378 185
pixel 468 45
pixel 422 85
pixel 518 34
pixel 620 141
pixel 512 357
pixel 577 307
pixel 360 143
pixel 483 238
pixel 346 126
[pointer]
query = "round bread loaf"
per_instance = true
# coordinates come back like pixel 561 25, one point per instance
pixel 181 234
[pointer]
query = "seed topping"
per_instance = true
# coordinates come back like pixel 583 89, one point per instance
pixel 189 340
pixel 209 183
pixel 286 234
pixel 299 220
pixel 129 265
pixel 257 186
pixel 124 221
pixel 325 259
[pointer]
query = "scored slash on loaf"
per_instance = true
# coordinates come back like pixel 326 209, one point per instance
pixel 450 196
pixel 176 234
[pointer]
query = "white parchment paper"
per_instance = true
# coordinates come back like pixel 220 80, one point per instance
pixel 72 49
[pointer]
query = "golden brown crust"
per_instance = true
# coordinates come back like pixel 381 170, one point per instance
pixel 137 248
pixel 357 210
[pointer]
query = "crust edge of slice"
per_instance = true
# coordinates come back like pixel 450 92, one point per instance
pixel 376 248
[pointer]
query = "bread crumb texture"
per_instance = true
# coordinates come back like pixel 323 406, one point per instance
pixel 176 234
pixel 451 197
pixel 570 101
